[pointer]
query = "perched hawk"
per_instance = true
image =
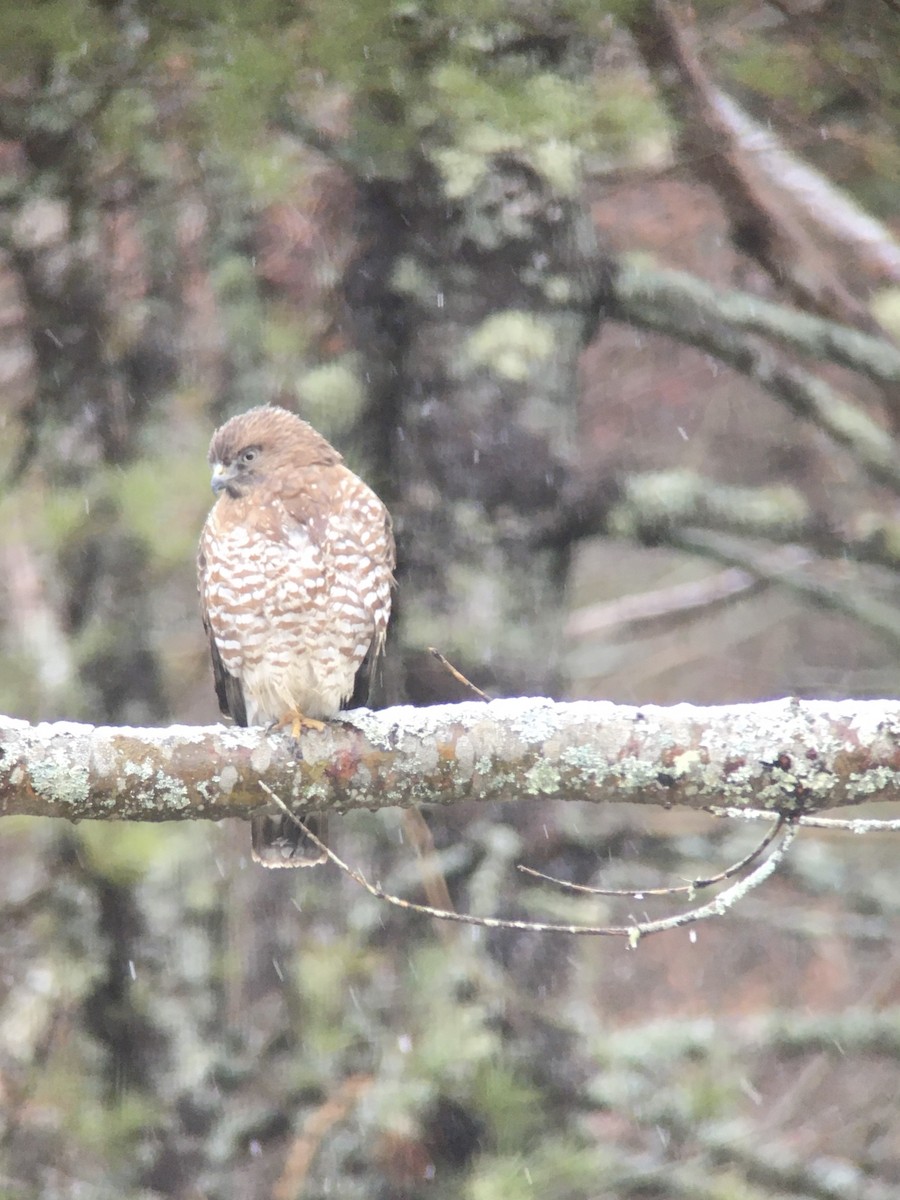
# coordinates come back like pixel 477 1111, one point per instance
pixel 295 565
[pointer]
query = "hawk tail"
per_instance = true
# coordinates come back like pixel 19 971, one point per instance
pixel 278 842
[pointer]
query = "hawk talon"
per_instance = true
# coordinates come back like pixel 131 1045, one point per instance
pixel 298 722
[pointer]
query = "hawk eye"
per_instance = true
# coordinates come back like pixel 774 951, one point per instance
pixel 249 454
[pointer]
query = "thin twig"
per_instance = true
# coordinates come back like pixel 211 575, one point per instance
pixel 458 675
pixel 634 932
pixel 639 893
pixel 846 825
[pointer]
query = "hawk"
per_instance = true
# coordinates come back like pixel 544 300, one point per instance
pixel 295 567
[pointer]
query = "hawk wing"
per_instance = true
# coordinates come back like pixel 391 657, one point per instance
pixel 366 681
pixel 229 691
pixel 228 688
pixel 349 518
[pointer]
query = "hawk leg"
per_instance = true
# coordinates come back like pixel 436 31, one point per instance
pixel 275 840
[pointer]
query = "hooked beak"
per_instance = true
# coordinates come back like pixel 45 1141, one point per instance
pixel 221 477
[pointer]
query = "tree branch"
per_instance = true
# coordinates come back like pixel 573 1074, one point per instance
pixel 678 602
pixel 677 291
pixel 834 212
pixel 634 931
pixel 788 756
pixel 646 300
pixel 763 224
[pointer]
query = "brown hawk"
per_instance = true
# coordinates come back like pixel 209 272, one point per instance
pixel 295 566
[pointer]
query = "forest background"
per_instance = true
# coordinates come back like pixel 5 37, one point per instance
pixel 603 300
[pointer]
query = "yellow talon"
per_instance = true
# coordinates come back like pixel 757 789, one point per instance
pixel 298 722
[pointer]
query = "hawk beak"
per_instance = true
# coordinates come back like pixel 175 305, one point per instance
pixel 221 477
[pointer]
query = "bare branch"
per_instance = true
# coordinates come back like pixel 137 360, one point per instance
pixel 689 889
pixel 634 931
pixel 789 756
pixel 859 825
pixel 679 602
pixel 665 605
pixel 835 212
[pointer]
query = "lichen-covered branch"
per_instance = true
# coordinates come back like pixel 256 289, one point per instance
pixel 789 756
pixel 815 336
pixel 650 503
pixel 655 506
pixel 636 299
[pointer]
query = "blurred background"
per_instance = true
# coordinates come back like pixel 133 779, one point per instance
pixel 445 233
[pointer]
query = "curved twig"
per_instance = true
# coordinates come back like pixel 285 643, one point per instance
pixel 695 885
pixel 633 932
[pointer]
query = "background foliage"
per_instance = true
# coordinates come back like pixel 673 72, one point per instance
pixel 414 223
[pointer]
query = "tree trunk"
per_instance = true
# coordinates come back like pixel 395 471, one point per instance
pixel 471 313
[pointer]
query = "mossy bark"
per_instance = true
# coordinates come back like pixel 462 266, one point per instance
pixel 472 313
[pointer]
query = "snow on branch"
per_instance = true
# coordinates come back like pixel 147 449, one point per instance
pixel 762 212
pixel 833 210
pixel 786 756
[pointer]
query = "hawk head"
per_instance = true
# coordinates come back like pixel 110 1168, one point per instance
pixel 264 445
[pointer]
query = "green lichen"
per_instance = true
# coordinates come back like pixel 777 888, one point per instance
pixel 332 396
pixel 678 496
pixel 687 762
pixel 559 289
pixel 589 764
pixel 636 773
pixel 511 344
pixel 170 793
pixel 561 165
pixel 58 780
pixel 543 777
pixel 870 783
pixel 410 278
